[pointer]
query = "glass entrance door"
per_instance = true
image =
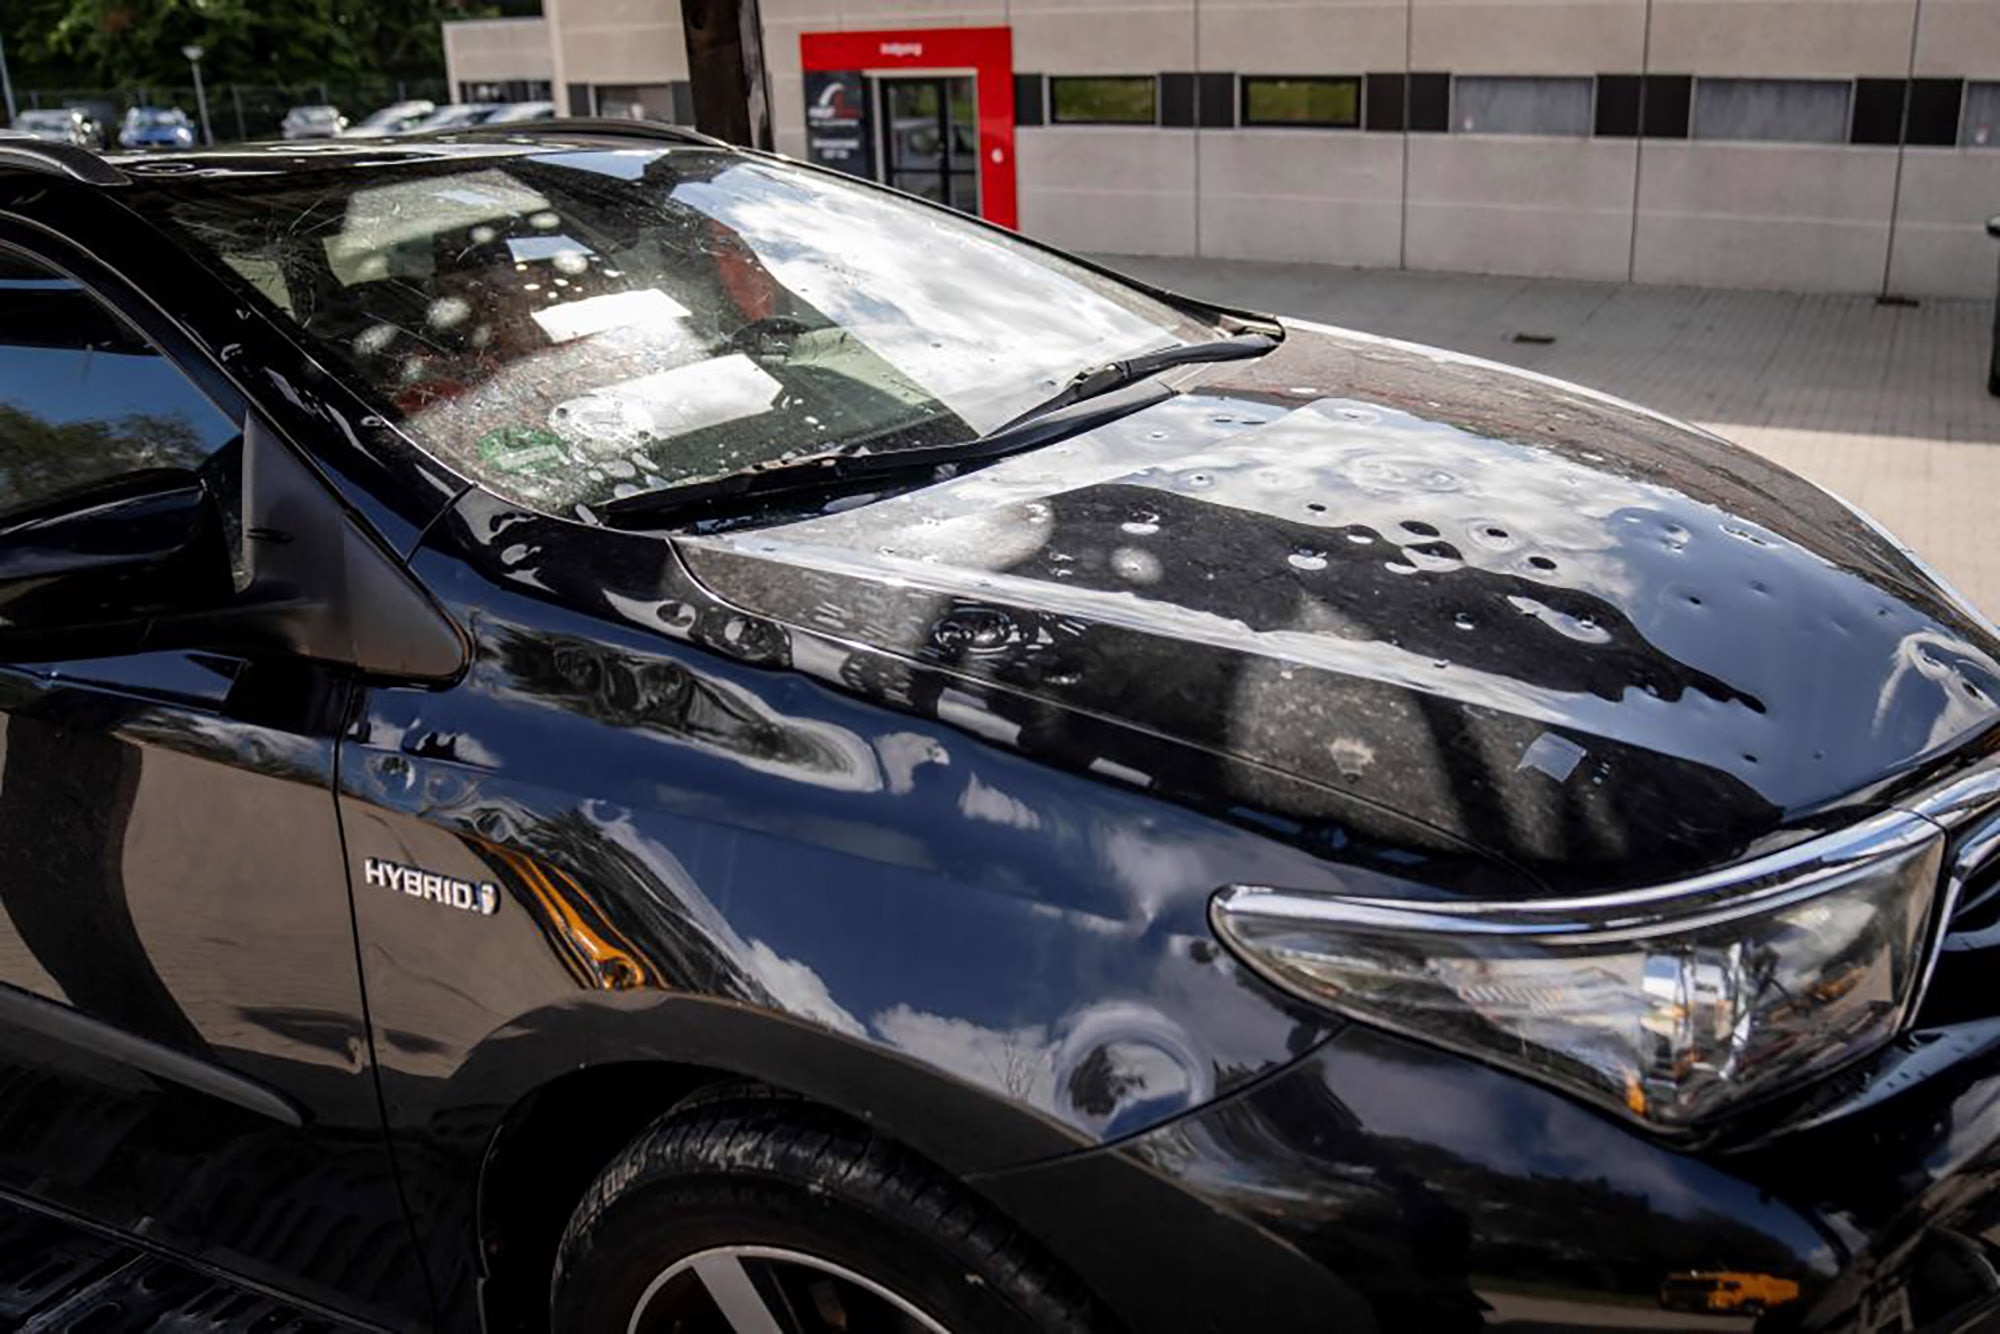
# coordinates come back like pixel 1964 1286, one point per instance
pixel 930 139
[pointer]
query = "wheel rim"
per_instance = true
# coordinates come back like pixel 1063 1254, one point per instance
pixel 771 1290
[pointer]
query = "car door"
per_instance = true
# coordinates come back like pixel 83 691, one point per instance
pixel 184 1055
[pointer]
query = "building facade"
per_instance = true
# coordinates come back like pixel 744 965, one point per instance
pixel 1816 145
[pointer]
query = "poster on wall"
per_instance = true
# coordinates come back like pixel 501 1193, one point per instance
pixel 838 134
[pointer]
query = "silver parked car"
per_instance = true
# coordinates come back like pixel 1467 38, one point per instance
pixel 313 122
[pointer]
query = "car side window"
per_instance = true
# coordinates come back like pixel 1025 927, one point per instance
pixel 84 398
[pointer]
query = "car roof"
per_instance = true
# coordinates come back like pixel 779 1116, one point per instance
pixel 279 158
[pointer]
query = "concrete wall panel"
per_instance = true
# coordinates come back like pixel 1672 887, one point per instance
pixel 1555 208
pixel 942 14
pixel 1801 217
pixel 496 50
pixel 1527 36
pixel 1333 38
pixel 1783 38
pixel 1128 191
pixel 1286 195
pixel 1941 245
pixel 652 53
pixel 1959 37
pixel 1092 39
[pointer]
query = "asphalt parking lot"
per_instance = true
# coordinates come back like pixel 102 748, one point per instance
pixel 1885 404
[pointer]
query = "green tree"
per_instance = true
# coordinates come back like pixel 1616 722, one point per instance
pixel 131 43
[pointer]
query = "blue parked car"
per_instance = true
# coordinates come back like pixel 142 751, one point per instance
pixel 156 127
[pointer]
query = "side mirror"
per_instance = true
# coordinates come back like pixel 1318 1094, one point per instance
pixel 150 560
pixel 317 587
pixel 105 559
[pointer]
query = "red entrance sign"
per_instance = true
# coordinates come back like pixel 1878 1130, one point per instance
pixel 987 52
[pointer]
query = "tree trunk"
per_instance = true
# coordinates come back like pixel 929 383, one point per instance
pixel 725 46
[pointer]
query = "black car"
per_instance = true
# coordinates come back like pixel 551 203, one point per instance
pixel 603 732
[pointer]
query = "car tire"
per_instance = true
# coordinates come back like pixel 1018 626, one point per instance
pixel 828 1225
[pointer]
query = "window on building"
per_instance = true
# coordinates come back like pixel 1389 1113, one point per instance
pixel 1115 100
pixel 1808 111
pixel 1482 104
pixel 643 101
pixel 1934 106
pixel 508 90
pixel 1981 126
pixel 1326 103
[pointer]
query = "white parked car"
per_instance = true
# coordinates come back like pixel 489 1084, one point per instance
pixel 512 112
pixel 456 116
pixel 396 118
pixel 65 125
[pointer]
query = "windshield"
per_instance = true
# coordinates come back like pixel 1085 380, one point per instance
pixel 573 327
pixel 146 118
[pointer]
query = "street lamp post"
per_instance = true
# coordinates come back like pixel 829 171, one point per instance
pixel 193 53
pixel 6 83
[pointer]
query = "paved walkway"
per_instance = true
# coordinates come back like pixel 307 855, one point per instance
pixel 1886 405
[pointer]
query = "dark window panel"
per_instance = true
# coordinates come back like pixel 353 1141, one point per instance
pixel 1934 105
pixel 579 100
pixel 1385 101
pixel 1215 101
pixel 1177 100
pixel 1028 108
pixel 1430 103
pixel 1105 100
pixel 1878 112
pixel 1618 106
pixel 1664 106
pixel 1323 103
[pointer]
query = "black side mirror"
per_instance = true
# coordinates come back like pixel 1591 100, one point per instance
pixel 107 558
pixel 151 560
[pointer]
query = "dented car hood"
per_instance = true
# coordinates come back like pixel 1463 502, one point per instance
pixel 1599 645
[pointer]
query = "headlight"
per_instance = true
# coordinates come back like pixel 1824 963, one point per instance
pixel 1666 1005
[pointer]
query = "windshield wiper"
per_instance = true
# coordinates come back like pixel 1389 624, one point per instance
pixel 1093 398
pixel 831 467
pixel 1103 378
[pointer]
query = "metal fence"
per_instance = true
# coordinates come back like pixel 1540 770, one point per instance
pixel 236 111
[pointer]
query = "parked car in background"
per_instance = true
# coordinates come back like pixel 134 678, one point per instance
pixel 65 125
pixel 315 122
pixel 156 127
pixel 455 116
pixel 396 118
pixel 512 112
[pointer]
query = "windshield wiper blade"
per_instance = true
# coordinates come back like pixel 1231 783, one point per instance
pixel 1102 379
pixel 1092 398
pixel 832 467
